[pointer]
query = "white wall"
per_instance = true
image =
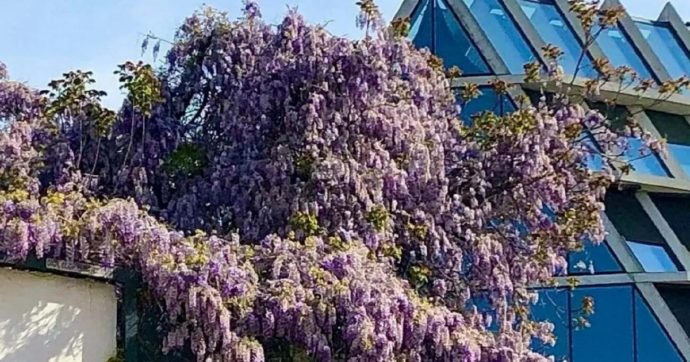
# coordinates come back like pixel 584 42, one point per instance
pixel 48 318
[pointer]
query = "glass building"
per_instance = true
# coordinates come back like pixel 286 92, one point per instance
pixel 640 277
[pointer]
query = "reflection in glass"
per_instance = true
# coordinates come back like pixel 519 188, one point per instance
pixel 610 335
pixel 453 45
pixel 642 161
pixel 553 306
pixel 421 29
pixel 667 47
pixel 653 344
pixel 676 130
pixel 594 160
pixel 553 29
pixel 623 327
pixel 502 32
pixel 682 155
pixel 593 259
pixel 654 258
pixel 487 101
pixel 620 51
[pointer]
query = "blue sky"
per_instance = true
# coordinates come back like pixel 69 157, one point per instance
pixel 41 39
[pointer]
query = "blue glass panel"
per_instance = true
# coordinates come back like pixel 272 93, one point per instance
pixel 610 335
pixel 594 160
pixel 682 155
pixel 653 344
pixel 654 258
pixel 642 161
pixel 481 301
pixel 553 307
pixel 666 46
pixel 453 45
pixel 487 101
pixel 421 29
pixel 593 259
pixel 553 29
pixel 620 51
pixel 502 32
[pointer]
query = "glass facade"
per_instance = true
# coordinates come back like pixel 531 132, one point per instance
pixel 434 26
pixel 682 155
pixel 667 47
pixel 621 329
pixel 640 157
pixel 553 29
pixel 630 219
pixel 593 259
pixel 653 344
pixel 643 160
pixel 653 258
pixel 610 334
pixel 619 50
pixel 624 326
pixel 502 32
pixel 595 161
pixel 421 29
pixel 675 210
pixel 487 101
pixel 676 130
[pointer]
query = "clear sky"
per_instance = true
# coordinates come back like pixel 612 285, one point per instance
pixel 41 39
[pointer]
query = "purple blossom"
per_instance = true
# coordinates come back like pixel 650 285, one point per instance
pixel 296 185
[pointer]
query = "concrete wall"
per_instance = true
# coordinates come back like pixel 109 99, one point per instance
pixel 48 318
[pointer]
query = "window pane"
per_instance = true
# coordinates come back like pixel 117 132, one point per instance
pixel 653 344
pixel 676 297
pixel 673 127
pixel 421 30
pixel 642 160
pixel 682 155
pixel 553 29
pixel 594 259
pixel 676 130
pixel 502 32
pixel 610 336
pixel 618 117
pixel 594 160
pixel 483 305
pixel 487 101
pixel 553 307
pixel 654 258
pixel 453 45
pixel 630 219
pixel 676 210
pixel 619 50
pixel 666 47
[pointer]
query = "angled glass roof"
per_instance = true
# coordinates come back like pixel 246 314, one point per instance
pixel 435 26
pixel 502 32
pixel 676 130
pixel 453 44
pixel 421 30
pixel 620 51
pixel 667 47
pixel 553 29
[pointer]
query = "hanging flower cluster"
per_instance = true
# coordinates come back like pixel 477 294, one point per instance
pixel 283 186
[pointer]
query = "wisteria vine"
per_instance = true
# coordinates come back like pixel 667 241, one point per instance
pixel 281 185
